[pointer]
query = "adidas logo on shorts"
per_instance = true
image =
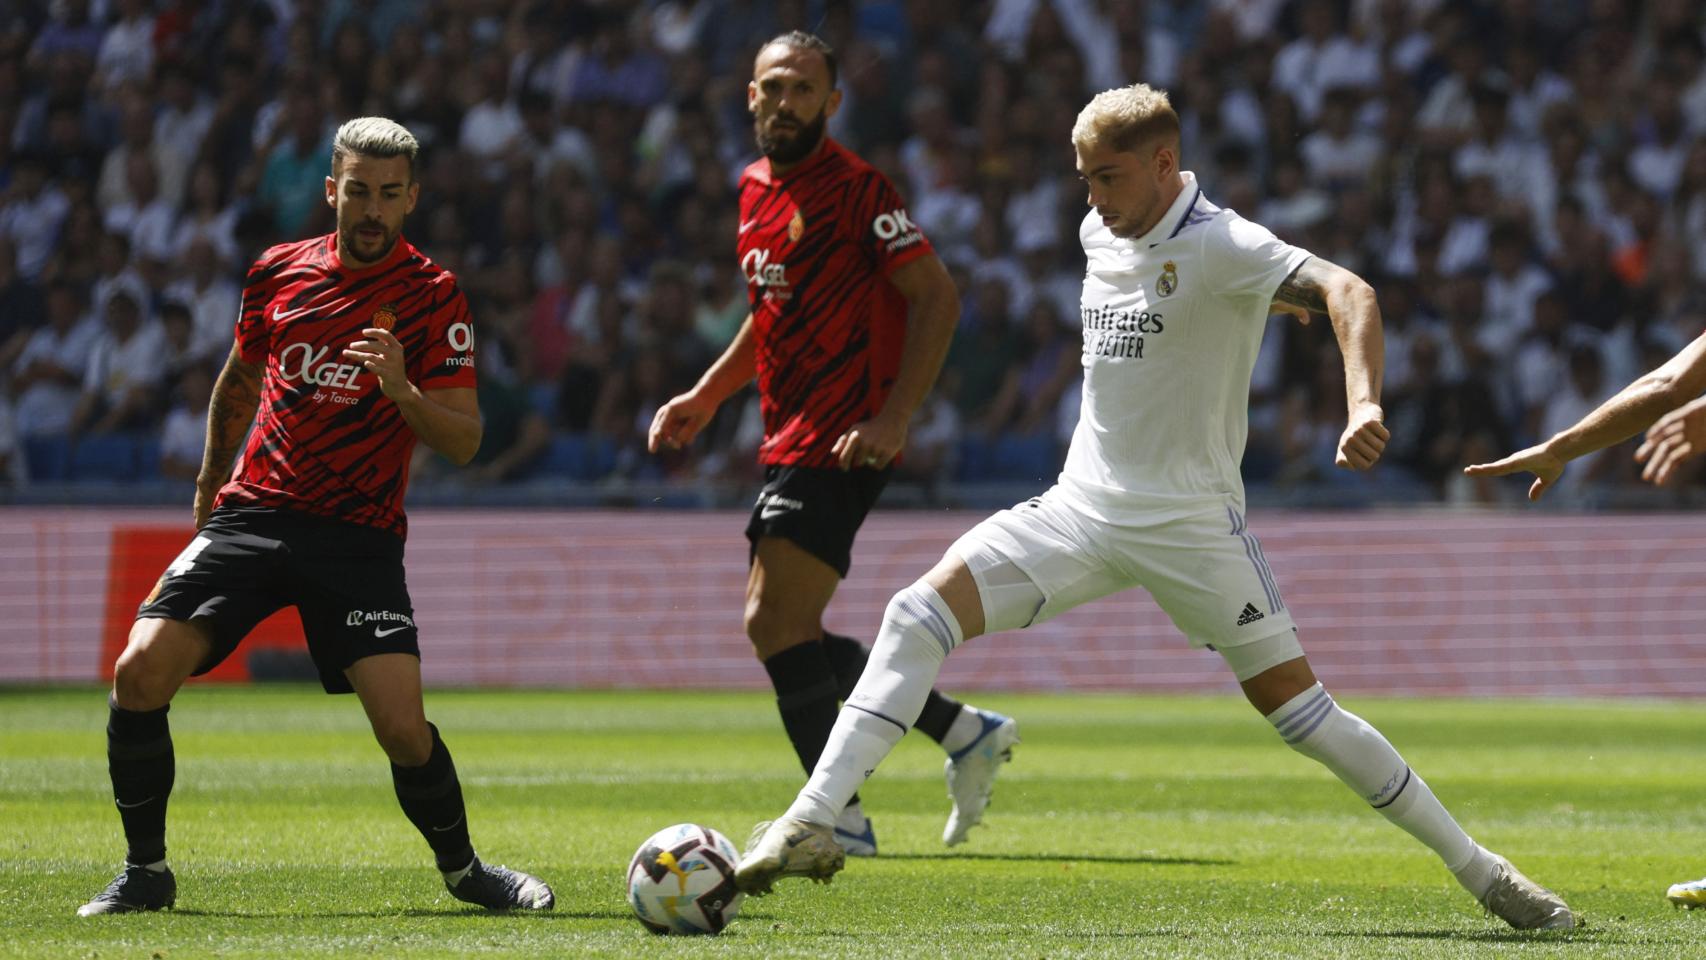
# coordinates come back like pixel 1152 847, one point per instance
pixel 1250 615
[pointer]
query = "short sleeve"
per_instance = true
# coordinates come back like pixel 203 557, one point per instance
pixel 886 233
pixel 1246 260
pixel 447 361
pixel 252 333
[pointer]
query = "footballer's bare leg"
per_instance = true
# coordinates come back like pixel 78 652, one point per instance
pixel 1311 723
pixel 160 655
pixel 920 626
pixel 389 686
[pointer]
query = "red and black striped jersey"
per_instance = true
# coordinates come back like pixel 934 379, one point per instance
pixel 816 247
pixel 327 440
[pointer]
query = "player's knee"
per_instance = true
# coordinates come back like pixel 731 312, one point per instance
pixel 918 617
pixel 406 741
pixel 145 677
pixel 771 629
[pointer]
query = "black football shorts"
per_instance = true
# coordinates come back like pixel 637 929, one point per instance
pixel 345 579
pixel 819 509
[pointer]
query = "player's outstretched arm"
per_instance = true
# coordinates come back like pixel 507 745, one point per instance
pixel 680 420
pixel 236 395
pixel 447 420
pixel 1321 286
pixel 933 310
pixel 1679 434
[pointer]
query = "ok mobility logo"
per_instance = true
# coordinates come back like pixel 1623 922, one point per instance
pixel 393 621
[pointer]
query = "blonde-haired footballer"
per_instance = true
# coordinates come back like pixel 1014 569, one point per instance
pixel 1176 295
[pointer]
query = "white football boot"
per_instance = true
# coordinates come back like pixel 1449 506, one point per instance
pixel 788 848
pixel 1522 903
pixel 971 774
pixel 1691 895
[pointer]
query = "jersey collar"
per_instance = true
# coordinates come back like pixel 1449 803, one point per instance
pixel 1174 219
pixel 399 250
pixel 819 156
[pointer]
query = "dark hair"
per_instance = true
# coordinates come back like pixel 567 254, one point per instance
pixel 800 39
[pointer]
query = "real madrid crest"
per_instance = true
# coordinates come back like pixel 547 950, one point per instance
pixel 385 317
pixel 796 228
pixel 1169 279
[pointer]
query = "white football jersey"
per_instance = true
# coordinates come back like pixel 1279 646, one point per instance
pixel 1172 323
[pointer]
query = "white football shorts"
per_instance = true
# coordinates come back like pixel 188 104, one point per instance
pixel 1205 570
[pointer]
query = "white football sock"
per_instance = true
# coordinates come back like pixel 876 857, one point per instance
pixel 917 634
pixel 964 731
pixel 1313 725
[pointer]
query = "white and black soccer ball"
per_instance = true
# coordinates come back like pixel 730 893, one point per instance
pixel 682 880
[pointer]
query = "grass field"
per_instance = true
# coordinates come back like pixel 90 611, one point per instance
pixel 1127 826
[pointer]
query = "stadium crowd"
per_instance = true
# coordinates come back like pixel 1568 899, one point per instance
pixel 1523 182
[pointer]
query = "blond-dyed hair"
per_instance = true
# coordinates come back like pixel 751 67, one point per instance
pixel 374 137
pixel 1125 118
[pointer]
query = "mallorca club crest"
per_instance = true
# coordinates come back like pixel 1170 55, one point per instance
pixel 385 317
pixel 1169 280
pixel 796 228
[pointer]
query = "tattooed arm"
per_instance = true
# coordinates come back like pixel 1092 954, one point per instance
pixel 1321 286
pixel 236 396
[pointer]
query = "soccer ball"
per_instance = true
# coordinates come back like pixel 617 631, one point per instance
pixel 682 880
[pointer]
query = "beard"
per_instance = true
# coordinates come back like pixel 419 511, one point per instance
pixel 796 148
pixel 351 239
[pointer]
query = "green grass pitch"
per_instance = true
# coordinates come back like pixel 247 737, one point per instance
pixel 1126 827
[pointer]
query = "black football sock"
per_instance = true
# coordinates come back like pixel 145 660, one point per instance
pixel 808 697
pixel 142 766
pixel 848 657
pixel 432 800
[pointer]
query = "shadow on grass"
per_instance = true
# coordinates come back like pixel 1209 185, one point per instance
pixel 1060 858
pixel 1472 936
pixel 448 913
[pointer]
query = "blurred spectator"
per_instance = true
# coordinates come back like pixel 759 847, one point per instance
pixel 126 55
pixel 125 367
pixel 146 218
pixel 1047 364
pixel 297 165
pixel 492 124
pixel 211 298
pixel 1584 389
pixel 169 161
pixel 184 434
pixel 210 219
pixel 185 113
pixel 1518 179
pixel 69 30
pixel 1512 286
pixel 1339 154
pixel 1322 59
pixel 48 373
pixel 22 309
pixel 32 214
